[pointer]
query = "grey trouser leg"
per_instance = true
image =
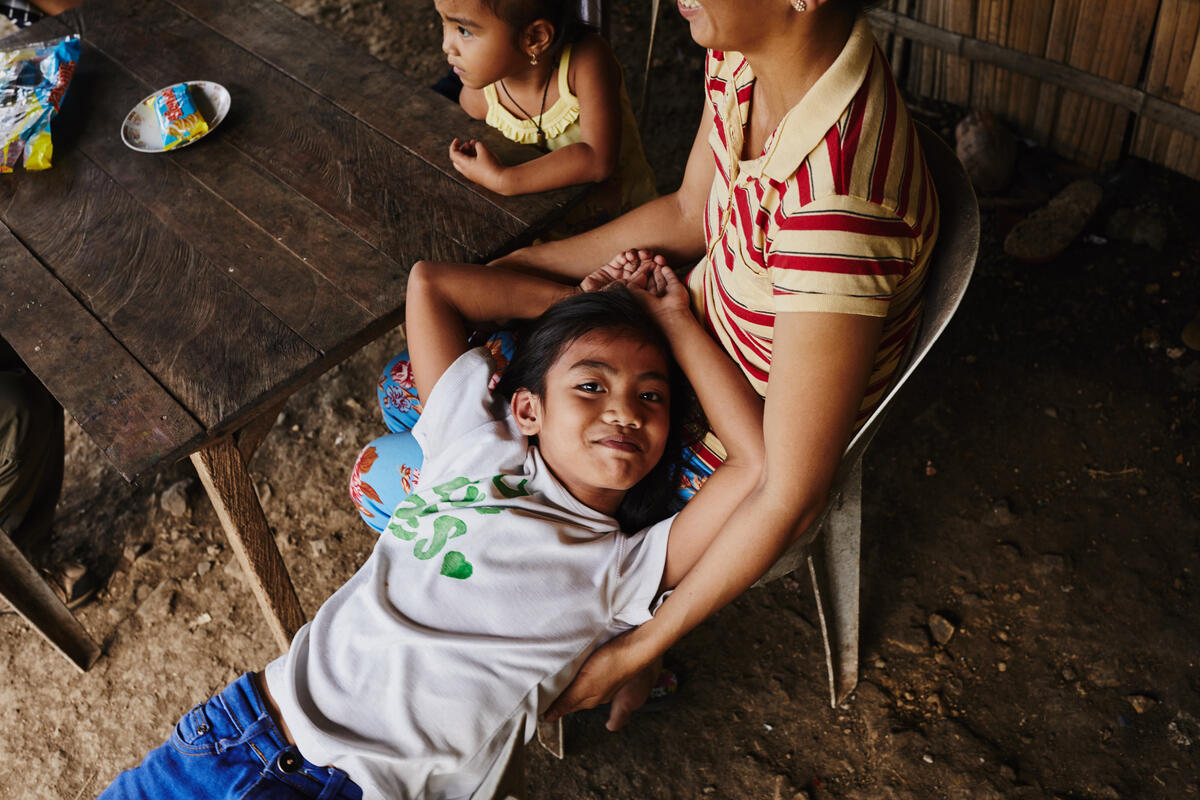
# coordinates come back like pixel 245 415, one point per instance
pixel 31 465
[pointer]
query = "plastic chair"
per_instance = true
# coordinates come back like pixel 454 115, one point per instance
pixel 831 545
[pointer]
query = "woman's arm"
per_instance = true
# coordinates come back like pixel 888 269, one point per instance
pixel 735 412
pixel 443 299
pixel 671 225
pixel 597 84
pixel 820 366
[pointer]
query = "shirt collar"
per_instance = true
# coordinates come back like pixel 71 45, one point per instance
pixel 805 125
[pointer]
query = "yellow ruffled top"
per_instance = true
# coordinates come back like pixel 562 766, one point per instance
pixel 558 121
pixel 633 183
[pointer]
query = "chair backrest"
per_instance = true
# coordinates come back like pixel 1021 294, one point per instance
pixel 949 271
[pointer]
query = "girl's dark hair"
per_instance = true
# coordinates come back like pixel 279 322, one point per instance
pixel 614 311
pixel 563 14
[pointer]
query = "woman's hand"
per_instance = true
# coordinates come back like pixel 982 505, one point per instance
pixel 603 677
pixel 476 163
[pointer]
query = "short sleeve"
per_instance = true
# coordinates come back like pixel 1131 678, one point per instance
pixel 643 559
pixel 839 254
pixel 460 401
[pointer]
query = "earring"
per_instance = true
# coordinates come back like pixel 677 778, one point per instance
pixel 533 55
pixel 800 5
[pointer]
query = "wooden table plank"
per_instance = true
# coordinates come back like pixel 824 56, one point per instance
pixel 302 298
pixel 119 404
pixel 302 140
pixel 204 339
pixel 286 218
pixel 373 92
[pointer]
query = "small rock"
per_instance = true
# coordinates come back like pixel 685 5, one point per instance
pixel 941 629
pixel 264 492
pixel 1184 730
pixel 283 542
pixel 1001 666
pixel 1051 412
pixel 318 547
pixel 203 567
pixel 1104 674
pixel 999 515
pixel 1048 231
pixel 1048 564
pixel 1141 703
pixel 160 602
pixel 987 150
pixel 927 758
pixel 141 593
pixel 1191 333
pixel 133 552
pixel 203 619
pixel 1009 551
pixel 1069 673
pixel 174 499
pixel 1175 353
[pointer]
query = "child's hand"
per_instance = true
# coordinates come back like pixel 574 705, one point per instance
pixel 621 268
pixel 476 163
pixel 660 291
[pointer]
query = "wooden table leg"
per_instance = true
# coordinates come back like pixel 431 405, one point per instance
pixel 24 588
pixel 225 478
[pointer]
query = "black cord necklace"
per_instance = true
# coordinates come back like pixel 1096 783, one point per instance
pixel 541 134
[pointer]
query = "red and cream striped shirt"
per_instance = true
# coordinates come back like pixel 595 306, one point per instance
pixel 837 214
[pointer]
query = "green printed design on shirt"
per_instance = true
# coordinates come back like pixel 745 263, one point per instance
pixel 444 529
pixel 457 493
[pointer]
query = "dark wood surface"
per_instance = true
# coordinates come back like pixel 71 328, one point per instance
pixel 167 300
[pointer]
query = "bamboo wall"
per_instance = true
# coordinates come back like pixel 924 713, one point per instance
pixel 1148 44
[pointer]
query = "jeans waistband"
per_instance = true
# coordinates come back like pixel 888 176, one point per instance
pixel 249 715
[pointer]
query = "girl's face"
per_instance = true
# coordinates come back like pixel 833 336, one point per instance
pixel 480 47
pixel 603 420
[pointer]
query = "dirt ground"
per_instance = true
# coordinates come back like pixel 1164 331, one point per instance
pixel 1034 486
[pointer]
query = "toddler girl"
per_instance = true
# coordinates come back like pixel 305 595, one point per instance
pixel 531 70
pixel 504 567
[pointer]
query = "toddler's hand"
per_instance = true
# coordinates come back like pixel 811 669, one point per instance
pixel 475 162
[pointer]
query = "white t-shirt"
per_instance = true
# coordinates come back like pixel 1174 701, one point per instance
pixel 479 603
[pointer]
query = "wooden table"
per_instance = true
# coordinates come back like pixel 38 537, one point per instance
pixel 172 302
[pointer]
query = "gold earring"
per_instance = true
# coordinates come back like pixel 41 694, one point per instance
pixel 800 5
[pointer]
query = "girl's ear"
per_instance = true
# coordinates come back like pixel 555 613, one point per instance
pixel 527 411
pixel 537 38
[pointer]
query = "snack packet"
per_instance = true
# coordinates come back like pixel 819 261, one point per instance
pixel 33 82
pixel 178 118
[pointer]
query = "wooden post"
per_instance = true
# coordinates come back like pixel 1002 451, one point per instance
pixel 27 592
pixel 225 478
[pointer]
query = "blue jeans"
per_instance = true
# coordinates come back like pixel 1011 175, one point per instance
pixel 229 748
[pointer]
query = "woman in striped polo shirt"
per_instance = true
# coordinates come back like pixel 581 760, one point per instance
pixel 808 206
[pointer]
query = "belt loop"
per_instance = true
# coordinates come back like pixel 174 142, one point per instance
pixel 333 787
pixel 260 725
